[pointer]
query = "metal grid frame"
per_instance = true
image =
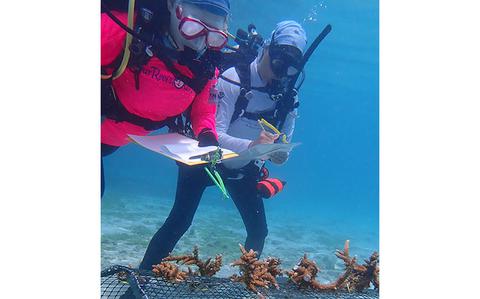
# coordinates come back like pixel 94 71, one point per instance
pixel 138 284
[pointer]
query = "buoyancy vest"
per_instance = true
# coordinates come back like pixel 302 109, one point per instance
pixel 186 74
pixel 272 116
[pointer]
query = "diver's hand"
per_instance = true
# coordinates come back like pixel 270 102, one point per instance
pixel 264 138
pixel 207 138
pixel 279 157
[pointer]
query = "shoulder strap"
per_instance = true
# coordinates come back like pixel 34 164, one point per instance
pixel 260 89
pixel 241 104
pixel 283 107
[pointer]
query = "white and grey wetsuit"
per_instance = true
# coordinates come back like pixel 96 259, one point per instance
pixel 238 135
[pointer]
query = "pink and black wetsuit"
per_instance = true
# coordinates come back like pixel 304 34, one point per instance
pixel 160 96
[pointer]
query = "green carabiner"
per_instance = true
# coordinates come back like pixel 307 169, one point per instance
pixel 215 177
pixel 220 181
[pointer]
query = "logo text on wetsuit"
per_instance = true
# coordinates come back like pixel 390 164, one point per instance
pixel 214 95
pixel 155 73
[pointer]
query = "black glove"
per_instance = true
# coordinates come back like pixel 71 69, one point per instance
pixel 207 138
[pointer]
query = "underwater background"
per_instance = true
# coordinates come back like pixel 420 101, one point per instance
pixel 332 178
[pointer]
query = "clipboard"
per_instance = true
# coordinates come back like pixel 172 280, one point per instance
pixel 180 148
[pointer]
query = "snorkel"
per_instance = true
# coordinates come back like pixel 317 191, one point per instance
pixel 288 97
pixel 286 65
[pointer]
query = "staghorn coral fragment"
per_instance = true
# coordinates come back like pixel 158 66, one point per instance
pixel 256 273
pixel 304 275
pixel 274 266
pixel 207 268
pixel 169 271
pixel 357 277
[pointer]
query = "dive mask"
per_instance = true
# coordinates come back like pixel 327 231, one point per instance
pixel 192 28
pixel 285 60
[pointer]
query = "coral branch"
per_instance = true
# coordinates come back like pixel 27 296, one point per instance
pixel 256 273
pixel 357 277
pixel 304 275
pixel 169 271
pixel 207 268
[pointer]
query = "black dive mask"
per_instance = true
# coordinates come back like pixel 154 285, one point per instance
pixel 285 60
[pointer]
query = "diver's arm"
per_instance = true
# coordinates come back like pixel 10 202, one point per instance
pixel 225 109
pixel 203 111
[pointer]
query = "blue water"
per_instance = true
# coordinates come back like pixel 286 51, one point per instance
pixel 333 180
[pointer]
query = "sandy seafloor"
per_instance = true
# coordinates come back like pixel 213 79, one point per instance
pixel 129 221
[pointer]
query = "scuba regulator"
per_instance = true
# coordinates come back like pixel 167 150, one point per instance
pixel 248 43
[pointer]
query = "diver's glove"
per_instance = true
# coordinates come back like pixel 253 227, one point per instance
pixel 207 138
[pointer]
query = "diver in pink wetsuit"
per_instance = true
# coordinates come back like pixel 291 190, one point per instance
pixel 171 70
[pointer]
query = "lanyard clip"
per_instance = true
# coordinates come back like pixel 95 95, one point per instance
pixel 213 157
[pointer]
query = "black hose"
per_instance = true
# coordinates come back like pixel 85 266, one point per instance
pixel 309 53
pixel 119 23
